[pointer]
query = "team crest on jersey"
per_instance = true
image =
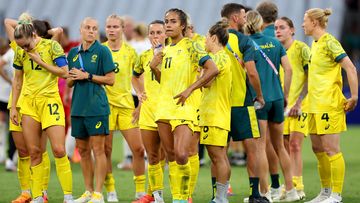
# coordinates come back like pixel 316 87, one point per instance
pixel 334 46
pixel 179 52
pixel 93 58
pixel 75 58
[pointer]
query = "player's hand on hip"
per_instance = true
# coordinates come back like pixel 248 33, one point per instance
pixel 350 104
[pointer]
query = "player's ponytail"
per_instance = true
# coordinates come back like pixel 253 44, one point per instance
pixel 221 32
pixel 24 28
pixel 253 23
pixel 320 15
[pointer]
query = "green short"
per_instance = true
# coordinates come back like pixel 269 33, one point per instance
pixel 272 111
pixel 244 124
pixel 83 127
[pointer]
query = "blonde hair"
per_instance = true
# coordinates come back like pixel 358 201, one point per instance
pixel 117 17
pixel 24 28
pixel 25 18
pixel 253 23
pixel 320 15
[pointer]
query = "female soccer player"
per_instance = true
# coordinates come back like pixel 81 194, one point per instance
pixel 270 54
pixel 40 62
pixel 123 115
pixel 175 118
pixel 215 121
pixel 327 104
pixel 150 89
pixel 296 123
pixel 44 30
pixel 91 66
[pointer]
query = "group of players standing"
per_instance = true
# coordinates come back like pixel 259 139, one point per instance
pixel 191 90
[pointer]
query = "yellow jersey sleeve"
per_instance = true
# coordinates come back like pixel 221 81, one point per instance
pixel 57 50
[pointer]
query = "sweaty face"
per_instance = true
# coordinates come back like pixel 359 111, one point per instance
pixel 173 25
pixel 282 30
pixel 113 28
pixel 157 33
pixel 89 30
pixel 26 43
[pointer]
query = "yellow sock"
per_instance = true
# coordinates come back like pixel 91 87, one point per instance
pixel 109 183
pixel 195 167
pixel 324 169
pixel 174 187
pixel 156 177
pixel 23 172
pixel 140 183
pixel 46 173
pixel 149 190
pixel 298 182
pixel 183 178
pixel 36 180
pixel 163 163
pixel 337 163
pixel 63 170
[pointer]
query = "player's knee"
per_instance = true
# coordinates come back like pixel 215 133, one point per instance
pixel 59 151
pixel 139 151
pixel 35 154
pixel 295 146
pixel 23 152
pixel 108 150
pixel 153 157
pixel 181 157
pixel 98 150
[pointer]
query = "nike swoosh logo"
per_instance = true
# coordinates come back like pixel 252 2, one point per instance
pixel 206 136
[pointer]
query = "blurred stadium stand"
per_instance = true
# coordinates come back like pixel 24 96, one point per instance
pixel 204 13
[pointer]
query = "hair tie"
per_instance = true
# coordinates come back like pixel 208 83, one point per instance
pixel 24 22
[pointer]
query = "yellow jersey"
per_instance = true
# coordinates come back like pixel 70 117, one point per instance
pixel 299 57
pixel 325 80
pixel 150 84
pixel 124 60
pixel 37 80
pixel 240 47
pixel 215 107
pixel 199 39
pixel 178 72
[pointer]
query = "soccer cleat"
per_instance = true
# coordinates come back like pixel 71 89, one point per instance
pixel 139 195
pixel 68 199
pixel 10 166
pixel 145 199
pixel 158 197
pixel 189 200
pixel 23 198
pixel 324 194
pixel 84 198
pixel 38 200
pixel 290 196
pixel 301 194
pixel 276 193
pixel 258 200
pixel 112 197
pixel 45 198
pixel 96 197
pixel 334 198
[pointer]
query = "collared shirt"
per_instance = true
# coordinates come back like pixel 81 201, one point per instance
pixel 89 98
pixel 269 30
